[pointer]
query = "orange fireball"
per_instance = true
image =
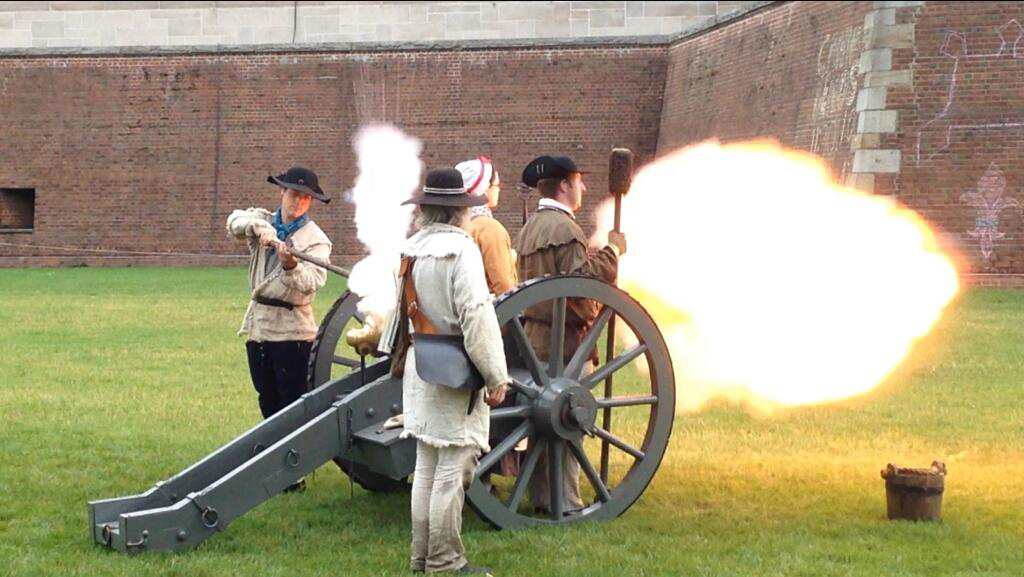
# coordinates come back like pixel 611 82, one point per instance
pixel 771 283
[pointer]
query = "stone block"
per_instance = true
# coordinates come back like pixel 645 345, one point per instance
pixel 6 21
pixel 168 14
pixel 462 22
pixel 75 6
pixel 526 29
pixel 868 140
pixel 184 27
pixel 395 14
pixel 894 78
pixel 130 5
pixel 871 98
pixel 643 26
pixel 16 39
pixel 22 7
pixel 910 4
pixel 174 5
pixel 880 18
pixel 899 36
pixel 607 18
pixel 634 9
pixel 47 29
pixel 673 8
pixel 876 161
pixel 876 60
pixel 437 8
pixel 539 11
pixel 549 29
pixel 319 25
pixel 864 181
pixel 883 121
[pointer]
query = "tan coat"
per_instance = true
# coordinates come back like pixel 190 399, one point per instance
pixel 452 291
pixel 496 250
pixel 553 243
pixel 268 278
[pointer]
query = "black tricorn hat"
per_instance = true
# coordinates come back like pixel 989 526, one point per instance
pixel 444 187
pixel 301 179
pixel 548 167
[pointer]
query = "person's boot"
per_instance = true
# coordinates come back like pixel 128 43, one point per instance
pixel 468 569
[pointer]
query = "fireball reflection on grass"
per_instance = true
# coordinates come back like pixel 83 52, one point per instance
pixel 771 283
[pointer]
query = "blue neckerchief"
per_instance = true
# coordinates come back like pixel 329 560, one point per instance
pixel 285 230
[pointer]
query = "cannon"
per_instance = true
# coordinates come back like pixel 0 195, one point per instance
pixel 552 409
pixel 348 413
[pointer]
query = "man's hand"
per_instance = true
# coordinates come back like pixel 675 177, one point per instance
pixel 619 240
pixel 288 262
pixel 497 396
pixel 268 238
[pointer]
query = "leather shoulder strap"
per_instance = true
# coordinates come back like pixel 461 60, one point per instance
pixel 420 322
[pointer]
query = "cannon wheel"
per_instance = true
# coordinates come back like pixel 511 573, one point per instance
pixel 330 351
pixel 560 411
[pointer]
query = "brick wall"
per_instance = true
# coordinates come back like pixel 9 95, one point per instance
pixel 788 71
pixel 150 153
pixel 961 128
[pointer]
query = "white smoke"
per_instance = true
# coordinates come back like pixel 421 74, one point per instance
pixel 389 174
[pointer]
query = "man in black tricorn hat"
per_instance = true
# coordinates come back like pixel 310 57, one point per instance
pixel 552 242
pixel 279 321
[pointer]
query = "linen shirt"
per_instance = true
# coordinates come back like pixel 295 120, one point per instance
pixel 267 278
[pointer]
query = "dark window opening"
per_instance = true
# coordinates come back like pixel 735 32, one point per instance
pixel 17 209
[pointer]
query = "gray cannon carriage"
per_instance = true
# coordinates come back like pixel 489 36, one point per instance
pixel 553 408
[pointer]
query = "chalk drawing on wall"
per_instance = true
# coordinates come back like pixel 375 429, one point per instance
pixel 940 129
pixel 834 117
pixel 988 202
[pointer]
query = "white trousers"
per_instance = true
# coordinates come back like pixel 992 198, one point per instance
pixel 438 492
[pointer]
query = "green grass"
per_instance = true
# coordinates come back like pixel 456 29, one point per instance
pixel 113 379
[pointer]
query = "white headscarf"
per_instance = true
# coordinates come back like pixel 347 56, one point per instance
pixel 476 175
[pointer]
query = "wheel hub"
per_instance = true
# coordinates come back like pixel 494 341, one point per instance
pixel 566 409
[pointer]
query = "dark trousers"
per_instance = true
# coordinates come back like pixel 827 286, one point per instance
pixel 278 371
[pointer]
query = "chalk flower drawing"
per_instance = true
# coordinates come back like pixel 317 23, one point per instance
pixel 988 201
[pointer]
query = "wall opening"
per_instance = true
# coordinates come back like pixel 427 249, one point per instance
pixel 17 209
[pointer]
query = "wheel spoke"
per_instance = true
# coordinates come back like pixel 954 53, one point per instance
pixel 540 378
pixel 556 368
pixel 524 388
pixel 352 363
pixel 491 459
pixel 614 365
pixel 519 412
pixel 626 401
pixel 556 485
pixel 637 453
pixel 526 472
pixel 588 469
pixel 582 354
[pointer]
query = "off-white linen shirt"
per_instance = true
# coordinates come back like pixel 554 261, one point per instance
pixel 268 278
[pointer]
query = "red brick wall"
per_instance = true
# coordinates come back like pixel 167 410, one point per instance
pixel 788 71
pixel 150 153
pixel 962 128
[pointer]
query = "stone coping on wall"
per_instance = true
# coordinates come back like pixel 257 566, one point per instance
pixel 396 46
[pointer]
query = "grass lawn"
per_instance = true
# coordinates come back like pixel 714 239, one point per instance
pixel 113 379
